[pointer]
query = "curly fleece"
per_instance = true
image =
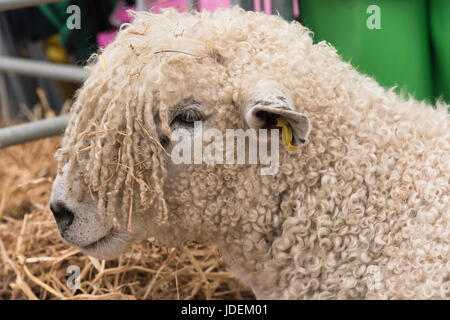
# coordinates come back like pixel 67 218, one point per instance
pixel 362 210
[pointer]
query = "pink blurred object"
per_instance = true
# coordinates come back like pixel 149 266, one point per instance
pixel 157 5
pixel 106 37
pixel 212 5
pixel 122 15
pixel 268 6
pixel 257 5
pixel 295 9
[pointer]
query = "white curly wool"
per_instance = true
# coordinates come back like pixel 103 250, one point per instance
pixel 361 210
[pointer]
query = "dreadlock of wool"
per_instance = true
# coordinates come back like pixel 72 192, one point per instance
pixel 111 141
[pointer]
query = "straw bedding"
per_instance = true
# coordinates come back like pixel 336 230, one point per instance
pixel 33 260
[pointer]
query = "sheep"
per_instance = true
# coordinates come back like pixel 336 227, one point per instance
pixel 358 208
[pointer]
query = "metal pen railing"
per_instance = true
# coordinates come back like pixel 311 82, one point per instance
pixel 41 128
pixel 42 69
pixel 20 4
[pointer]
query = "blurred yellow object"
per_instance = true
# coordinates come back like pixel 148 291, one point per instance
pixel 55 51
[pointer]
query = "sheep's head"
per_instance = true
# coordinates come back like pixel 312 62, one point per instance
pixel 164 76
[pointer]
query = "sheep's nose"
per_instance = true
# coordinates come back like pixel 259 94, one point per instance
pixel 63 216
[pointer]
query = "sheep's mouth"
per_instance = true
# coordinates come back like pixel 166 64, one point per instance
pixel 99 242
pixel 110 246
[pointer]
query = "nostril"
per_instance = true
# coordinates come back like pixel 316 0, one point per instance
pixel 63 216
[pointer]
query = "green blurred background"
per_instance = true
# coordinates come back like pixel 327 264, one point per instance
pixel 410 49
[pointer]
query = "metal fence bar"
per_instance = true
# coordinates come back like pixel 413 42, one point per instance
pixel 42 128
pixel 18 4
pixel 141 5
pixel 43 69
pixel 33 131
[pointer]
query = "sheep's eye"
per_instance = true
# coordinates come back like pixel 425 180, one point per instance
pixel 188 117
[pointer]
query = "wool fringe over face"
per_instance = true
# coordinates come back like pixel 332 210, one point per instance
pixel 111 142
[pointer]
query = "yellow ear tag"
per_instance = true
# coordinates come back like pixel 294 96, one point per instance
pixel 286 134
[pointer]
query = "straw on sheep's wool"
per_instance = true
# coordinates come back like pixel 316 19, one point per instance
pixel 110 154
pixel 112 141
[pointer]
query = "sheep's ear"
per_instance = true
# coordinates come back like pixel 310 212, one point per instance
pixel 264 108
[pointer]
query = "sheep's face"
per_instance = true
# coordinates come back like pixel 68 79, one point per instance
pixel 199 190
pixel 79 223
pixel 147 151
